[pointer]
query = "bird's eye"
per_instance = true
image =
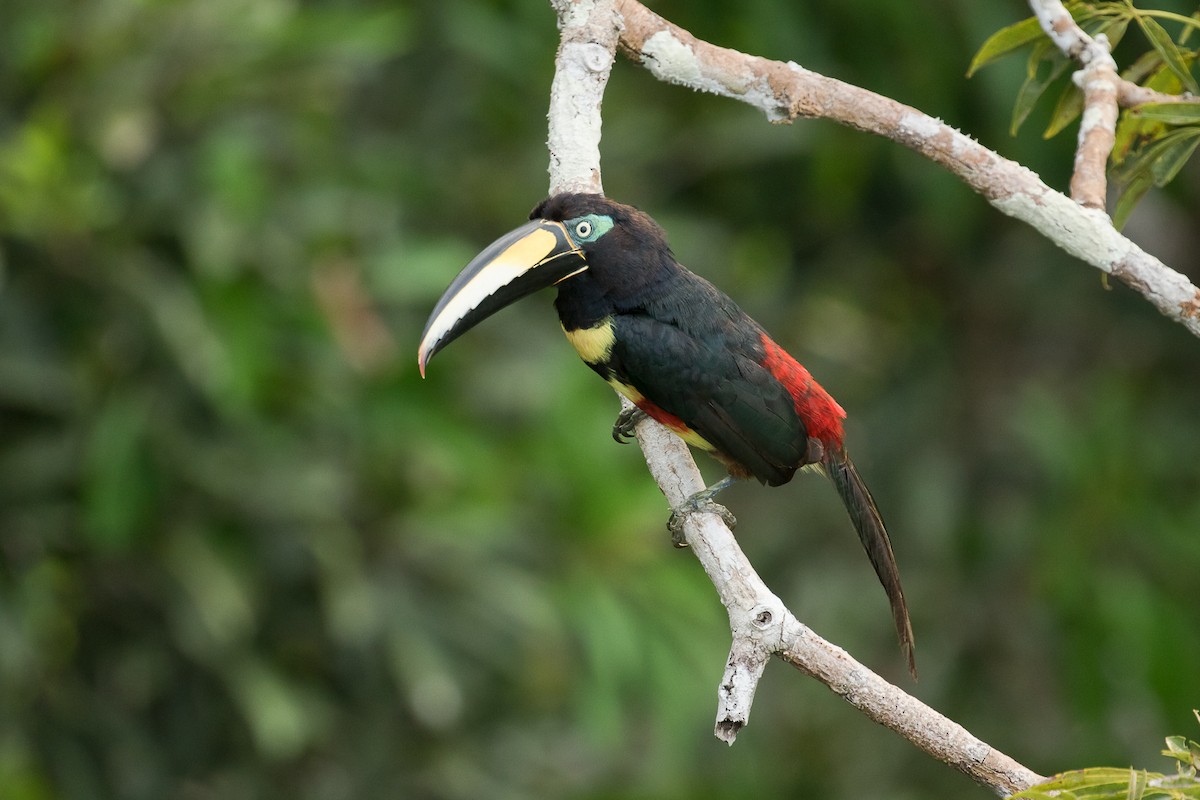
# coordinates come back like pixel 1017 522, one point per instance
pixel 583 229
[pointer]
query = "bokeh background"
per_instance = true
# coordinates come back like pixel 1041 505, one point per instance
pixel 246 552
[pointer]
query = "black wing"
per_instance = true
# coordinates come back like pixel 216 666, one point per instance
pixel 717 388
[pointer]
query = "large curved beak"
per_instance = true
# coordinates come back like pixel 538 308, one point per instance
pixel 534 256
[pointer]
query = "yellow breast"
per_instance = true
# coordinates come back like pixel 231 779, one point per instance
pixel 594 344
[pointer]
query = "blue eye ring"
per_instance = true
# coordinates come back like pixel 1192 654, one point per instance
pixel 588 228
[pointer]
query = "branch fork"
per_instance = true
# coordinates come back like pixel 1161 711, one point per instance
pixel 1105 92
pixel 1100 83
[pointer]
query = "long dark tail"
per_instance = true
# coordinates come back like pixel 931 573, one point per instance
pixel 875 541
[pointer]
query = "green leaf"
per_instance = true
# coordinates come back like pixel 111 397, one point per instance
pixel 1189 29
pixel 1013 37
pixel 1095 778
pixel 1005 41
pixel 1157 158
pixel 1169 155
pixel 1185 113
pixel 118 490
pixel 1164 78
pixel 1156 165
pixel 1113 783
pixel 1162 42
pixel 1132 192
pixel 1137 784
pixel 1036 82
pixel 1181 748
pixel 1135 132
pixel 1067 784
pixel 1144 66
pixel 1068 107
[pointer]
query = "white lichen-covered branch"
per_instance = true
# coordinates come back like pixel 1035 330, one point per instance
pixel 1067 36
pixel 586 51
pixel 1099 82
pixel 760 624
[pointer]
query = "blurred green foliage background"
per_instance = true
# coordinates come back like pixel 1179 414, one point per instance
pixel 245 552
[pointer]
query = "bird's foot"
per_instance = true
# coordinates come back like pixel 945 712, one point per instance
pixel 627 420
pixel 699 503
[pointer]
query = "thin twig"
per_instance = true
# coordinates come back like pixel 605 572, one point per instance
pixel 1130 95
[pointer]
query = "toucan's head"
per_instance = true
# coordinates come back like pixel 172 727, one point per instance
pixel 567 235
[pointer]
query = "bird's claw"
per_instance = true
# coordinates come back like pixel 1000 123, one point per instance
pixel 627 420
pixel 696 505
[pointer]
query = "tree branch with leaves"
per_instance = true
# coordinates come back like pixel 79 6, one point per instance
pixel 1159 129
